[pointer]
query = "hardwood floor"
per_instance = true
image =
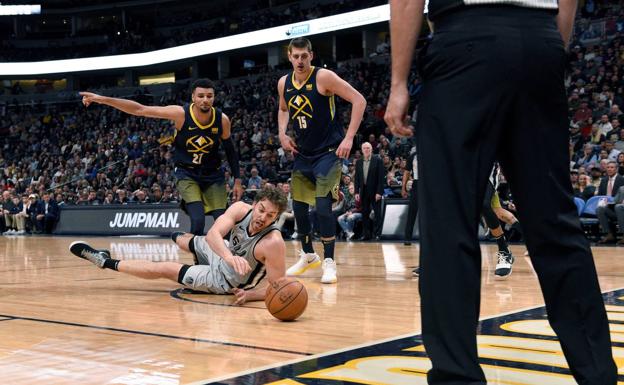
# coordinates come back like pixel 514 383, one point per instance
pixel 64 321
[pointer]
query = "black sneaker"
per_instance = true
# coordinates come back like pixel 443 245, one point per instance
pixel 175 235
pixel 504 264
pixel 82 250
pixel 416 271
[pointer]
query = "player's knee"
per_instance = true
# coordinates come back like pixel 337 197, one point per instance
pixel 324 206
pixel 181 273
pixel 490 218
pixel 302 217
pixel 185 241
pixel 196 214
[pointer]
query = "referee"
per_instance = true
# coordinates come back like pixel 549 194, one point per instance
pixel 493 88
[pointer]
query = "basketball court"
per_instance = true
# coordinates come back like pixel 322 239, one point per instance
pixel 64 321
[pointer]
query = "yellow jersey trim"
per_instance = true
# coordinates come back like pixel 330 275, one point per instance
pixel 292 80
pixel 203 127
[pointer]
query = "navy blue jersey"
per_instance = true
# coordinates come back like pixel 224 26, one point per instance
pixel 313 115
pixel 196 145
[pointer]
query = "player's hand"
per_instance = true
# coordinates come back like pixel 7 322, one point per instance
pixel 240 264
pixel 288 144
pixel 404 193
pixel 344 149
pixel 237 190
pixel 396 112
pixel 90 97
pixel 357 197
pixel 377 197
pixel 241 296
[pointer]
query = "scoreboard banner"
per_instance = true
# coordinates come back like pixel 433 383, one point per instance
pixel 129 219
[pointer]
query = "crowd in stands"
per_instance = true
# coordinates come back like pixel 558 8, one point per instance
pixel 100 156
pixel 596 94
pixel 207 21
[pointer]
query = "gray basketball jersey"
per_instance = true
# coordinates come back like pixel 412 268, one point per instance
pixel 214 275
pixel 242 244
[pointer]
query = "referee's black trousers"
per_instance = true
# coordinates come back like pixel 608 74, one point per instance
pixel 412 211
pixel 494 88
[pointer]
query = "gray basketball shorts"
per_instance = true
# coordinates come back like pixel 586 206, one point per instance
pixel 207 275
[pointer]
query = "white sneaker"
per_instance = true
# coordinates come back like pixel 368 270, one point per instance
pixel 294 235
pixel 350 235
pixel 20 232
pixel 306 261
pixel 329 271
pixel 504 264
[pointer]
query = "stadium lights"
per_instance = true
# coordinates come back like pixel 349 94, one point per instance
pixel 26 9
pixel 270 35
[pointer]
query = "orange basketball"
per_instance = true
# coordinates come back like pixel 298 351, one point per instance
pixel 286 299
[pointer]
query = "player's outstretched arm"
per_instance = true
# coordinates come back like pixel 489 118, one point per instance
pixel 243 296
pixel 273 250
pixel 175 113
pixel 220 228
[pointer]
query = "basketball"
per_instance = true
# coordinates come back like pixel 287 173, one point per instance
pixel 286 299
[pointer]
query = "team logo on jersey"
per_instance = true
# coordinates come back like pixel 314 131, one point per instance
pixel 199 143
pixel 215 130
pixel 300 105
pixel 308 87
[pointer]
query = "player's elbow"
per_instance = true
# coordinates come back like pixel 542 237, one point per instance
pixel 361 101
pixel 212 234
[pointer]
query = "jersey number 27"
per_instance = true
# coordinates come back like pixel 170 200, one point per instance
pixel 197 158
